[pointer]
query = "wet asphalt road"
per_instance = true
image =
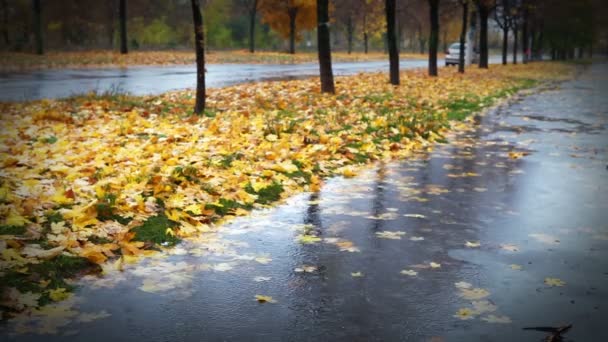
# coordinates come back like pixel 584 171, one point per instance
pixel 543 215
pixel 60 83
pixel 155 80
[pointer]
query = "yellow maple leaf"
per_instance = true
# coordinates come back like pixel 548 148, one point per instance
pixel 264 299
pixel 308 239
pixel 59 294
pixel 14 219
pixel 554 282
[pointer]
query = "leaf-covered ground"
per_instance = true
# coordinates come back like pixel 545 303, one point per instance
pixel 91 179
pixel 110 59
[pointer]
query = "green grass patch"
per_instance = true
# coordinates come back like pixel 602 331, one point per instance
pixel 461 108
pixel 12 230
pixel 267 195
pixel 52 272
pixel 154 229
pixel 225 207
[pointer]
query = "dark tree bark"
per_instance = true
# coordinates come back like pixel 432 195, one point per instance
pixel 5 36
pixel 252 14
pixel 484 11
pixel 38 27
pixel 524 34
pixel 123 26
pixel 365 42
pixel 434 36
pixel 463 35
pixel 292 12
pixel 324 47
pixel 199 38
pixel 515 41
pixel 393 53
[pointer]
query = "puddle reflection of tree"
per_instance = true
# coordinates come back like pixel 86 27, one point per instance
pixel 378 205
pixel 313 214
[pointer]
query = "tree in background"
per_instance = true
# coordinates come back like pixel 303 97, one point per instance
pixel 463 34
pixel 504 20
pixel 251 7
pixel 199 47
pixel 393 53
pixel 123 26
pixel 38 27
pixel 5 10
pixel 324 47
pixel 289 17
pixel 434 36
pixel 484 8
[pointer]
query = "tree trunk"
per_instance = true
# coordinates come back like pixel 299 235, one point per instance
pixel 515 40
pixel 252 14
pixel 5 36
pixel 524 36
pixel 349 33
pixel 434 36
pixel 292 31
pixel 505 44
pixel 532 44
pixel 393 54
pixel 324 47
pixel 111 23
pixel 38 27
pixel 463 35
pixel 199 43
pixel 483 35
pixel 365 43
pixel 123 27
pixel 539 43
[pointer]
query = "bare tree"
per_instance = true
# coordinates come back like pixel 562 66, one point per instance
pixel 524 31
pixel 38 27
pixel 393 53
pixel 484 8
pixel 324 47
pixel 123 26
pixel 251 7
pixel 5 35
pixel 504 20
pixel 199 43
pixel 434 36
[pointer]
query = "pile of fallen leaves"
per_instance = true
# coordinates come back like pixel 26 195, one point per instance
pixel 88 179
pixel 12 61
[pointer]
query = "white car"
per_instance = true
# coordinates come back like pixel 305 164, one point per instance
pixel 452 56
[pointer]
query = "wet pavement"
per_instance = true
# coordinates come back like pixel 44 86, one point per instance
pixel 506 225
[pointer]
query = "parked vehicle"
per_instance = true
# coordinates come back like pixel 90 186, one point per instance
pixel 452 56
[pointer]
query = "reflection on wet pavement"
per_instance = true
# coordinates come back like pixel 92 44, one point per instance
pixel 502 228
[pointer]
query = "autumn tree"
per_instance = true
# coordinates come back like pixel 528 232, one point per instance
pixel 324 47
pixel 484 8
pixel 123 26
pixel 434 36
pixel 289 17
pixel 393 53
pixel 38 26
pixel 199 43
